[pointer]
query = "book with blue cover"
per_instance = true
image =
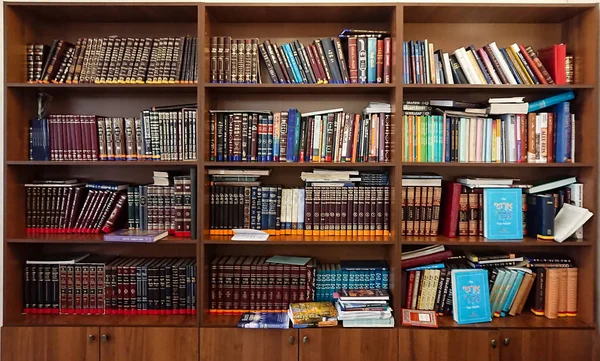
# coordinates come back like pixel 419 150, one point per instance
pixel 470 296
pixel 502 214
pixel 278 320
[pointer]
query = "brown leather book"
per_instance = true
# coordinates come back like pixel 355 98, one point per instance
pixel 115 218
pixel 127 62
pixel 572 279
pixel 214 50
pixel 552 293
pixel 142 69
pixel 247 60
pixel 220 46
pixel 29 53
pixel 254 63
pixel 463 213
pixel 153 60
pixel 241 61
pixel 104 61
pixel 168 61
pixel 177 60
pixel 61 75
pixel 82 73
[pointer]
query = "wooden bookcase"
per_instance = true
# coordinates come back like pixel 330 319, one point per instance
pixel 216 338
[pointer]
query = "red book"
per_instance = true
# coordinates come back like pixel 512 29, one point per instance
pixel 387 60
pixel 554 58
pixel 379 61
pixel 533 65
pixel 319 63
pixel 312 58
pixel 451 206
pixel 432 258
pixel 352 60
pixel 409 291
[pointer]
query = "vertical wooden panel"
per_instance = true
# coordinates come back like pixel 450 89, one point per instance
pixel 342 344
pixel 448 345
pixel 225 344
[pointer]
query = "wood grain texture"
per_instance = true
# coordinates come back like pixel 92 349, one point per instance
pixel 343 344
pixel 50 344
pixel 448 345
pixel 149 344
pixel 224 344
pixel 544 345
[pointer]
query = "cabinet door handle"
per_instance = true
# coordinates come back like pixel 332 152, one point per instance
pixel 305 339
pixel 91 338
pixel 104 338
pixel 506 341
pixel 494 344
pixel 292 340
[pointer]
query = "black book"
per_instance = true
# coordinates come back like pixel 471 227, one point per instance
pixel 300 63
pixel 48 59
pixel 330 54
pixel 457 72
pixel 540 215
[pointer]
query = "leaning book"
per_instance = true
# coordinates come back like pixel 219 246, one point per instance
pixel 278 320
pixel 470 296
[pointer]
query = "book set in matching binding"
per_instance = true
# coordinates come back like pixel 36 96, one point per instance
pixel 350 275
pixel 365 58
pixel 421 210
pixel 157 135
pixel 542 137
pixel 169 208
pixel 490 64
pixel 291 136
pixel 101 285
pixel 115 60
pixel 312 211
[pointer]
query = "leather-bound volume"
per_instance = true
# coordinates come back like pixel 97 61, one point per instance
pixel 40 55
pixel 29 53
pixel 111 66
pixel 119 139
pixel 227 59
pixel 142 69
pixel 177 60
pixel 387 60
pixel 77 54
pixel 115 218
pixel 214 41
pixel 275 60
pixel 153 60
pixel 323 60
pixel 80 58
pixel 134 60
pixel 379 61
pixel 105 58
pixel 342 60
pixel 234 61
pixel 572 279
pixel 241 61
pixel 268 63
pixel 312 58
pixel 61 75
pixel 282 58
pixel 247 60
pixel 127 61
pixel 62 47
pixel 352 60
pixel 82 73
pixel 167 62
pixel 563 291
pixel 254 64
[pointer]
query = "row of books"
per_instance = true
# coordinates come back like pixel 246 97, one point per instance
pixel 512 282
pixel 365 59
pixel 239 284
pixel 156 135
pixel 515 64
pixel 290 136
pixel 420 209
pixel 152 207
pixel 114 60
pixel 72 207
pixel 436 135
pixel 359 275
pixel 97 285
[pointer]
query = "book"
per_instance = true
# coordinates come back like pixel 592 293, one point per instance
pixel 547 185
pixel 540 216
pixel 134 235
pixel 277 320
pixel 554 58
pixel 470 296
pixel 568 220
pixel 502 214
pixel 312 314
pixel 550 101
pixel 363 295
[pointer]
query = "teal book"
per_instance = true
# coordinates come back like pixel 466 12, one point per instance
pixel 502 214
pixel 505 287
pixel 470 296
pixel 550 101
pixel 512 293
pixel 371 60
pixel 502 273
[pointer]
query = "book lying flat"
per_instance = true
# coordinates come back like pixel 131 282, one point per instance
pixel 376 294
pixel 277 320
pixel 60 259
pixel 135 235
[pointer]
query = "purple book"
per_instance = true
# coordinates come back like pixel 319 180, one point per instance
pixel 135 235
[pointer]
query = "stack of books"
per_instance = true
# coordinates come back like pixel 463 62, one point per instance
pixel 364 308
pixel 506 130
pixel 490 64
pixel 290 136
pixel 365 57
pixel 161 133
pixel 312 314
pixel 114 60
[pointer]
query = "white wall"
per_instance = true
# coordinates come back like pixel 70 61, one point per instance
pixel 233 1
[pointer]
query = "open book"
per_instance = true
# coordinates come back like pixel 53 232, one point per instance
pixel 568 220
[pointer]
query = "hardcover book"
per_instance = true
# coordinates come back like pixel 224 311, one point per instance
pixel 277 320
pixel 135 235
pixel 470 296
pixel 502 213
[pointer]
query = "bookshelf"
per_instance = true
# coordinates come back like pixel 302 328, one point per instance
pixel 210 337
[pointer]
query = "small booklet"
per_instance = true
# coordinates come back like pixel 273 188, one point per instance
pixel 249 235
pixel 569 219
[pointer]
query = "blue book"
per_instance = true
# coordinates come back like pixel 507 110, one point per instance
pixel 470 296
pixel 511 66
pixel 418 70
pixel 509 280
pixel 555 99
pixel 291 125
pixel 406 64
pixel 371 60
pixel 512 293
pixel 293 65
pixel 562 132
pixel 296 148
pixel 107 186
pixel 502 213
pixel 540 216
pixel 278 320
pixel 427 266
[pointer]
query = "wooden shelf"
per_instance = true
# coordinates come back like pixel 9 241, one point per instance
pixel 103 320
pixel 296 165
pixel 481 241
pixel 88 239
pixel 269 88
pixel 494 165
pixel 524 320
pixel 109 163
pixel 504 88
pixel 305 240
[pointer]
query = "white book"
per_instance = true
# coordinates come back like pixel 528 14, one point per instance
pixel 568 220
pixel 503 64
pixel 510 135
pixel 538 137
pixel 577 200
pixel 471 68
pixel 294 206
pixel 301 195
pixel 447 69
pixel 464 63
pixel 321 112
pixel 432 77
pixel 543 138
pixel 422 252
pixel 462 140
pixel 489 123
pixel 316 137
pixel 345 134
pixel 506 100
pixel 518 154
pixel 335 151
pixel 426 62
pixel 249 235
pixel 573 132
pixel 508 108
pixel 283 215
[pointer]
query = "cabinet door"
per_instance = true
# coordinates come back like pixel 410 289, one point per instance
pixel 547 345
pixel 148 343
pixel 348 344
pixel 448 345
pixel 50 344
pixel 227 344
